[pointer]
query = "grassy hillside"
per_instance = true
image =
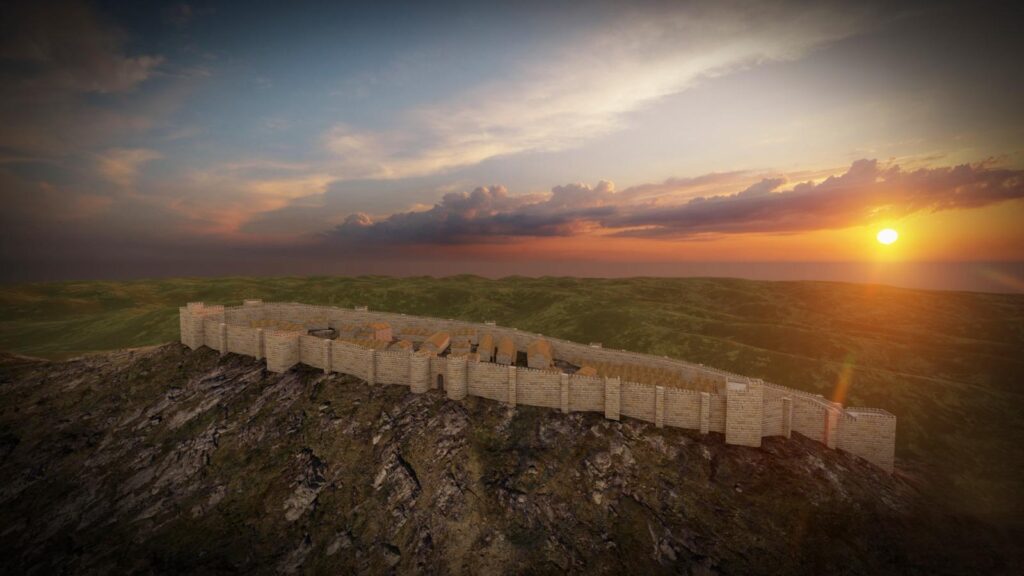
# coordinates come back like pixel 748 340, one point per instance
pixel 947 364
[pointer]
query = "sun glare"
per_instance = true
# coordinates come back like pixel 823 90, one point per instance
pixel 887 236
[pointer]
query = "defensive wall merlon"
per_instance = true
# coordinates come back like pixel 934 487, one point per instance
pixel 743 409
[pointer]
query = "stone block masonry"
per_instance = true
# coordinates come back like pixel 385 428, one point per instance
pixel 563 393
pixel 282 349
pixel 705 412
pixel 745 410
pixel 313 351
pixel 455 383
pixel 832 426
pixel 512 378
pixel 659 406
pixel 488 380
pixel 612 400
pixel 638 401
pixel 211 333
pixel 419 373
pixel 744 402
pixel 392 367
pixel 245 341
pixel 869 433
pixel 371 367
pixel 538 387
pixel 586 393
pixel 349 358
pixel 787 417
pixel 682 408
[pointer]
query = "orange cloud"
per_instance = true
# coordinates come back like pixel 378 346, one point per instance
pixel 867 192
pixel 121 165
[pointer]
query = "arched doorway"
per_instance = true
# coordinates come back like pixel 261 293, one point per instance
pixel 440 381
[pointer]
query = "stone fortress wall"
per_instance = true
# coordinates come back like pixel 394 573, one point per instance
pixel 743 409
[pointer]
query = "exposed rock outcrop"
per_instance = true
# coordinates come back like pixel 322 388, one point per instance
pixel 165 460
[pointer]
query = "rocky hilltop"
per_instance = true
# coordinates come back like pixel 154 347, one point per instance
pixel 162 460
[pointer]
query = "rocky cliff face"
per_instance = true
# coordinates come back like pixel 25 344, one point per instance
pixel 166 460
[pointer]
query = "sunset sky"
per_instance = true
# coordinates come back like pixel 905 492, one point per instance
pixel 762 140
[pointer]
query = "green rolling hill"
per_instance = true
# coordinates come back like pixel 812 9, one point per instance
pixel 948 364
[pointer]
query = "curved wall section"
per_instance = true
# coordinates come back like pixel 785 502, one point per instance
pixel 455 384
pixel 419 373
pixel 743 409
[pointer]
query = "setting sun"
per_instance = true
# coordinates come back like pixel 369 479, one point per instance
pixel 887 236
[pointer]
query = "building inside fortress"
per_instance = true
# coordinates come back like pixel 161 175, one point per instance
pixel 508 365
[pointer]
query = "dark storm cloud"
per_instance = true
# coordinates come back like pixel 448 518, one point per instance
pixel 865 192
pixel 58 62
pixel 64 47
pixel 485 214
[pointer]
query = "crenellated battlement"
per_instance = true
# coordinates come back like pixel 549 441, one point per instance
pixel 670 392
